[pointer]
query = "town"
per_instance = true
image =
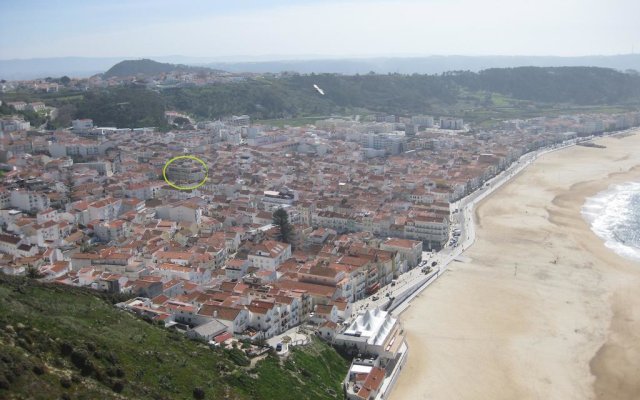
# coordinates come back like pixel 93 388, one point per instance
pixel 281 231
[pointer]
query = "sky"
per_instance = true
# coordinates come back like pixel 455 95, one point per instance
pixel 244 29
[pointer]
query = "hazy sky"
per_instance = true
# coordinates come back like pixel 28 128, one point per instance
pixel 135 28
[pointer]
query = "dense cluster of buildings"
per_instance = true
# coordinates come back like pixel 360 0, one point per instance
pixel 180 77
pixel 365 199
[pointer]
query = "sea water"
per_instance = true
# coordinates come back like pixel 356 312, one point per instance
pixel 615 216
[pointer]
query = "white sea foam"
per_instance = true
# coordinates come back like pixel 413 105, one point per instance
pixel 615 216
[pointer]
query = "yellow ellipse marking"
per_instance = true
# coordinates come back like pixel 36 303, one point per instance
pixel 173 185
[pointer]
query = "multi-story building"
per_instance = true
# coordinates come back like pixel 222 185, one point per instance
pixel 29 201
pixel 185 172
pixel 451 123
pixel 425 121
pixel 433 231
pixel 82 125
pixel 269 254
pixel 409 250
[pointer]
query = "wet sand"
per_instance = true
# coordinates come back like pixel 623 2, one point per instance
pixel 543 310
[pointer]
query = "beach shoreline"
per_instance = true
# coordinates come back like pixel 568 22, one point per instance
pixel 543 309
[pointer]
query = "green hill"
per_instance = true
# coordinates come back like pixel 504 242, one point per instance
pixel 577 85
pixel 59 342
pixel 491 94
pixel 123 107
pixel 449 93
pixel 148 68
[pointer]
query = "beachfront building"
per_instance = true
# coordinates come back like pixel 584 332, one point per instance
pixel 379 338
pixel 410 251
pixel 432 231
pixel 374 332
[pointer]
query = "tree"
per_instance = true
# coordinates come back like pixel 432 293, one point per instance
pixel 181 121
pixel 281 220
pixel 33 273
pixel 198 393
pixel 65 80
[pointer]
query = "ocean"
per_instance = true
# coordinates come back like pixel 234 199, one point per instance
pixel 614 215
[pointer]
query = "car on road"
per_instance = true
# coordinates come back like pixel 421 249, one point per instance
pixel 433 264
pixel 279 347
pixel 375 298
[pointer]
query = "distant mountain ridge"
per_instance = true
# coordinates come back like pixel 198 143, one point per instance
pixel 80 67
pixel 149 67
pixel 428 65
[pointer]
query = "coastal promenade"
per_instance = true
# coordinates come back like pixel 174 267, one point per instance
pixel 397 298
pixel 411 283
pixel 529 311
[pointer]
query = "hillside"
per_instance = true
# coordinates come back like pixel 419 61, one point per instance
pixel 576 85
pixel 491 94
pixel 451 93
pixel 148 67
pixel 123 107
pixel 69 343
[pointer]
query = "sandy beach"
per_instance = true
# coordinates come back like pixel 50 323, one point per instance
pixel 543 310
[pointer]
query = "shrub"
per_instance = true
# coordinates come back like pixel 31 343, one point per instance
pixel 65 382
pixel 89 369
pixel 118 386
pixel 66 348
pixel 79 358
pixel 4 383
pixel 39 369
pixel 198 393
pixel 112 358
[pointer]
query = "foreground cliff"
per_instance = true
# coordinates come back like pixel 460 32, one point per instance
pixel 69 343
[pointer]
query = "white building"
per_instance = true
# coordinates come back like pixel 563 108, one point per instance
pixel 184 212
pixel 28 201
pixel 434 231
pixel 12 245
pixel 422 120
pixel 269 254
pixel 82 125
pixel 375 332
pixel 107 231
pixel 451 123
pixel 409 250
pixel 379 337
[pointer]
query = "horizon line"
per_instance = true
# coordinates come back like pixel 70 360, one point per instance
pixel 309 57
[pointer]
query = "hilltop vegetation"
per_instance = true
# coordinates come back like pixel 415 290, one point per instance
pixel 59 342
pixel 123 107
pixel 576 85
pixel 490 94
pixel 449 93
pixel 148 67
